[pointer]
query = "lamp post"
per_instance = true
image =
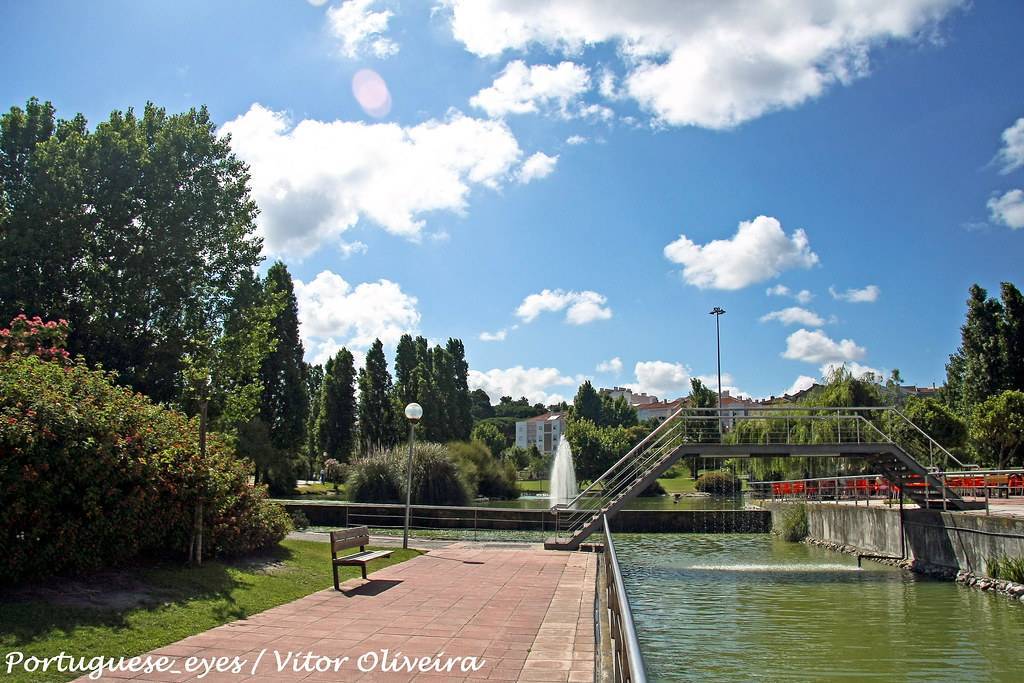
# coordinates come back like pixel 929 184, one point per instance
pixel 718 312
pixel 413 413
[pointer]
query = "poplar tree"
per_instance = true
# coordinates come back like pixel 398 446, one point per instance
pixel 978 369
pixel 376 410
pixel 336 424
pixel 460 413
pixel 405 369
pixel 587 403
pixel 284 404
pixel 1013 336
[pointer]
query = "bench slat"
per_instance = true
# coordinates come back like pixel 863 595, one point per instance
pixel 349 538
pixel 363 557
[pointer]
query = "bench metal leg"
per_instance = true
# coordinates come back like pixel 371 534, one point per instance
pixel 363 567
pixel 337 587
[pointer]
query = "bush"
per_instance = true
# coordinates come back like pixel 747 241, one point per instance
pixel 491 436
pixel 93 475
pixel 380 477
pixel 334 472
pixel 376 479
pixel 299 519
pixel 655 489
pixel 485 474
pixel 1006 568
pixel 721 482
pixel 791 522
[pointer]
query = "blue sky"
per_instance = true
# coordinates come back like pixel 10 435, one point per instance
pixel 880 141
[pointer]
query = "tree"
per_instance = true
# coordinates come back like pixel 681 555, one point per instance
pixel 139 231
pixel 460 412
pixel 490 436
pixel 376 410
pixel 284 404
pixel 934 418
pixel 336 425
pixel 997 429
pixel 617 412
pixel 443 381
pixel 481 407
pixel 405 369
pixel 587 403
pixel 314 383
pixel 1013 336
pixel 980 368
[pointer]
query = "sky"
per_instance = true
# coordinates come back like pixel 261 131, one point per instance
pixel 570 187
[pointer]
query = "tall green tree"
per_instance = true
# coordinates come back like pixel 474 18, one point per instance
pixel 481 405
pixel 314 384
pixel 997 429
pixel 405 371
pixel 284 405
pixel 1013 335
pixel 980 362
pixel 443 380
pixel 336 424
pixel 376 409
pixel 587 403
pixel 460 412
pixel 138 232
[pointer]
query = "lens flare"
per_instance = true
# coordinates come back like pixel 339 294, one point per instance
pixel 371 92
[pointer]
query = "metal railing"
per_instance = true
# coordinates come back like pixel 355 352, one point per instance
pixel 627 661
pixel 749 426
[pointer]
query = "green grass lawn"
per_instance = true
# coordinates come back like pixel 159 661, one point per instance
pixel 533 485
pixel 321 490
pixel 190 601
pixel 677 480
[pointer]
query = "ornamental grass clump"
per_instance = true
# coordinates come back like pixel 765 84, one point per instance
pixel 1006 568
pixel 791 522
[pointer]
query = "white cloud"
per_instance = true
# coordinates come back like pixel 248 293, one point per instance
pixel 580 307
pixel 661 378
pixel 537 384
pixel 800 383
pixel 348 249
pixel 864 295
pixel 522 89
pixel 804 296
pixel 758 251
pixel 709 64
pixel 1008 209
pixel 332 313
pixel 316 179
pixel 778 290
pixel 539 165
pixel 856 369
pixel 794 315
pixel 817 347
pixel 575 140
pixel 494 336
pixel 613 366
pixel 360 29
pixel 1012 153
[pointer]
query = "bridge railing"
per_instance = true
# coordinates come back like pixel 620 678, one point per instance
pixel 827 426
pixel 627 661
pixel 976 484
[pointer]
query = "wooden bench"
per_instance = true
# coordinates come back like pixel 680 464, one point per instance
pixel 350 538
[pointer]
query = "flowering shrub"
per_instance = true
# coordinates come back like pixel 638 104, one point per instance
pixel 44 339
pixel 93 475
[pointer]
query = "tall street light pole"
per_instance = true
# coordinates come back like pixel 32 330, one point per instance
pixel 718 312
pixel 413 413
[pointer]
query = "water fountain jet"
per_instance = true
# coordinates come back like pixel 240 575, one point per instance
pixel 563 475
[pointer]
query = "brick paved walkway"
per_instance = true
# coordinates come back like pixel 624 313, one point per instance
pixel 527 614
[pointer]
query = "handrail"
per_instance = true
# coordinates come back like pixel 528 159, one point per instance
pixel 625 646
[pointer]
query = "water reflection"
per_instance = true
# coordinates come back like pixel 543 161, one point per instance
pixel 751 607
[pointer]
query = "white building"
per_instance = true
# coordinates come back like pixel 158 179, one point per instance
pixel 632 399
pixel 543 431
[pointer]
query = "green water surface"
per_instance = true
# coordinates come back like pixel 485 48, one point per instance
pixel 738 607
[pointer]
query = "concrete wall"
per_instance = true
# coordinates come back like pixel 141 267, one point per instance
pixel 954 540
pixel 514 519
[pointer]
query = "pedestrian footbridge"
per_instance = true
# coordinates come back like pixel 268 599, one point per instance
pixel 896 448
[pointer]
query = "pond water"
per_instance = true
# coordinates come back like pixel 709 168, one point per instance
pixel 731 607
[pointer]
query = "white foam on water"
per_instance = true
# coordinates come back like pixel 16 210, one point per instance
pixel 767 568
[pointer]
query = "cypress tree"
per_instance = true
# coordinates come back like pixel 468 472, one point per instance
pixel 376 411
pixel 336 426
pixel 314 384
pixel 284 403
